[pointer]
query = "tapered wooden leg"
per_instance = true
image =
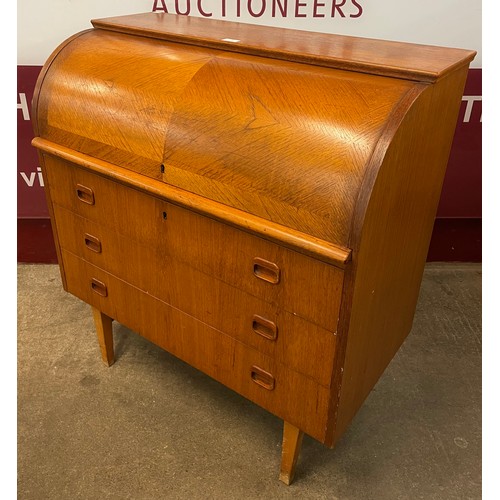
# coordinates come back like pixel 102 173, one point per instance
pixel 103 326
pixel 292 441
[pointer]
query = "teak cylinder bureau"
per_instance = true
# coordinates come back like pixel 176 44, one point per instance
pixel 256 201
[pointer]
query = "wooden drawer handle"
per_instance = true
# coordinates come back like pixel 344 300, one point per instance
pixel 262 378
pixel 264 327
pixel 92 243
pixel 99 287
pixel 265 270
pixel 85 194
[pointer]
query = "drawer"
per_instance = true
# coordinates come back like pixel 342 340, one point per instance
pixel 284 392
pixel 297 283
pixel 290 339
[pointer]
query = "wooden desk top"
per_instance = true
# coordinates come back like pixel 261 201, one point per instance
pixel 424 63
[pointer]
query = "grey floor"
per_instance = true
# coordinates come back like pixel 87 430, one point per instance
pixel 151 427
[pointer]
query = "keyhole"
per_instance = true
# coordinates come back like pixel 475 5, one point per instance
pixel 164 214
pixel 162 168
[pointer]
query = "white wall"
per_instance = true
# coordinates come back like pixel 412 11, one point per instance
pixel 43 24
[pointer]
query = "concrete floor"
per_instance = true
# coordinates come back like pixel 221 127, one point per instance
pixel 151 427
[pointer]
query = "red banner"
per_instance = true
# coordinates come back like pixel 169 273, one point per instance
pixel 461 196
pixel 30 196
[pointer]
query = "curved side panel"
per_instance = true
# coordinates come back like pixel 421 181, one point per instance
pixel 41 78
pixel 388 265
pixel 376 162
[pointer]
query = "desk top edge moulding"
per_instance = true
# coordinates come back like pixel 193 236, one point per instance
pixel 256 201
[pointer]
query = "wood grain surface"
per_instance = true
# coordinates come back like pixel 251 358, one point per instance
pixel 395 224
pixel 254 120
pixel 309 288
pixel 204 297
pixel 104 329
pixel 292 442
pixel 286 237
pixel 261 209
pixel 364 55
pixel 229 127
pixel 295 398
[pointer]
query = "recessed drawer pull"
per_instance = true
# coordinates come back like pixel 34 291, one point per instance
pixel 265 270
pixel 85 194
pixel 93 243
pixel 262 378
pixel 99 287
pixel 265 327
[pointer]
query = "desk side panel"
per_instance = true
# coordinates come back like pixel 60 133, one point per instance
pixel 391 237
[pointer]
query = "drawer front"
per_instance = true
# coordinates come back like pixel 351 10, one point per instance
pixel 289 339
pixel 285 393
pixel 299 284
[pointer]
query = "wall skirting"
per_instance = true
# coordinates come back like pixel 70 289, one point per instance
pixel 456 240
pixel 35 243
